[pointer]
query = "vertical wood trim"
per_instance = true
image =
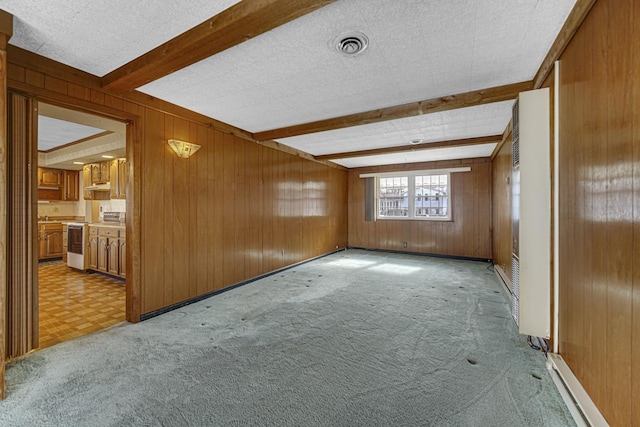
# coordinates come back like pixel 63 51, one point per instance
pixel 22 295
pixel 635 339
pixel 3 203
pixel 134 212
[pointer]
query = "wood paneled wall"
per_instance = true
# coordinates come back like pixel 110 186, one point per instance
pixel 467 235
pixel 599 142
pixel 501 209
pixel 235 210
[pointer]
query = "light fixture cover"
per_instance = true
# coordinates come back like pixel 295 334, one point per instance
pixel 182 148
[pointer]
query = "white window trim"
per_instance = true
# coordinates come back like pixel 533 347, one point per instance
pixel 411 181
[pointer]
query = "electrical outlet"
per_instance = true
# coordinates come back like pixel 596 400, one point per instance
pixel 283 252
pixel 404 245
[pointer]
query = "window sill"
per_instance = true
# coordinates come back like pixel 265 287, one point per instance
pixel 414 219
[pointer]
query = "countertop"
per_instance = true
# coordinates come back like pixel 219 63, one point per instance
pixel 101 224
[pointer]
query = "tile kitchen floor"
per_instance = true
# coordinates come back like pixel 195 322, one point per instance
pixel 73 304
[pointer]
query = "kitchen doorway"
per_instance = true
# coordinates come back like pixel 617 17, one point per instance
pixel 81 183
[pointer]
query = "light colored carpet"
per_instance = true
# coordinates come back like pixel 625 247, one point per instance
pixel 356 338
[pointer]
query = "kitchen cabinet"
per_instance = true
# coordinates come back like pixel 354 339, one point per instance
pixel 71 187
pixel 86 181
pixel 58 184
pixel 107 250
pixel 100 172
pixel 91 174
pixel 50 241
pixel 50 177
pixel 118 179
pixel 122 256
pixel 92 251
pixel 64 242
pixel 103 247
pixel 113 259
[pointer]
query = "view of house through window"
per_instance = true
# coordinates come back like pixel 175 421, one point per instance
pixel 414 197
pixel 394 201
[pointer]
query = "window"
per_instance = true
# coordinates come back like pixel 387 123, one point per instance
pixel 418 195
pixel 423 196
pixel 393 196
pixel 432 196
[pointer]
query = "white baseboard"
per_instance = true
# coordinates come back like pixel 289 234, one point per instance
pixel 584 411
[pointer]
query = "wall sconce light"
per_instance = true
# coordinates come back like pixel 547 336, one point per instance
pixel 183 149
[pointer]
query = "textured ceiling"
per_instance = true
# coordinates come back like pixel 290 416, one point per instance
pixel 53 133
pixel 433 155
pixel 98 36
pixel 292 74
pixel 481 120
pixel 418 50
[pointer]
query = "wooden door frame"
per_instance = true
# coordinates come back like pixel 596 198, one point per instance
pixel 6 31
pixel 133 153
pixel 133 191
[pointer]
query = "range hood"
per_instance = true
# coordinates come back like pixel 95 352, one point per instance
pixel 99 187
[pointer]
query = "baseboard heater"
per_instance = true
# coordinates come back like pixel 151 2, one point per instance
pixel 582 408
pixel 504 280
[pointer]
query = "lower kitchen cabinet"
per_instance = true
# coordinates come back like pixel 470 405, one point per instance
pixel 122 256
pixel 50 241
pixel 112 256
pixel 92 250
pixel 107 250
pixel 103 247
pixel 64 242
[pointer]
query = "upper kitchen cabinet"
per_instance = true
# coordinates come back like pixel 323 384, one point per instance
pixel 50 177
pixel 100 173
pixel 86 180
pixel 71 187
pixel 58 184
pixel 118 177
pixel 94 174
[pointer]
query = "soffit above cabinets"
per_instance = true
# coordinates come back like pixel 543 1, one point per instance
pixel 292 74
pixel 67 136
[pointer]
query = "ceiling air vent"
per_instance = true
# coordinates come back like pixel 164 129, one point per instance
pixel 352 44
